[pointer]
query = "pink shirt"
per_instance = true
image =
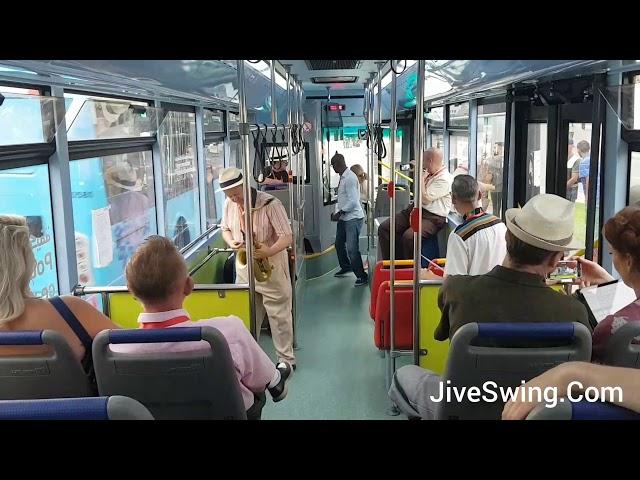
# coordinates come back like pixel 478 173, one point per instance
pixel 269 219
pixel 254 369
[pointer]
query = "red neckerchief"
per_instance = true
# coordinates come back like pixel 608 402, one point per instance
pixel 166 323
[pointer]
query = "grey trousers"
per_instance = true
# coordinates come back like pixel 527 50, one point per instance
pixel 411 390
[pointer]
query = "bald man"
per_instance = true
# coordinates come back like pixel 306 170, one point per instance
pixel 436 204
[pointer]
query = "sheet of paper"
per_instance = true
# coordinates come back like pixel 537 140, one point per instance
pixel 102 237
pixel 607 300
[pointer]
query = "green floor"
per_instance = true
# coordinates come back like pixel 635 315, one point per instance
pixel 340 374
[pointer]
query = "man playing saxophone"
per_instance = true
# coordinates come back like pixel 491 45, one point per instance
pixel 272 236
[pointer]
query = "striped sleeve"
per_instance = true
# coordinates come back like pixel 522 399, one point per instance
pixel 278 217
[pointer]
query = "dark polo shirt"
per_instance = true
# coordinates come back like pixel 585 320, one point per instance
pixel 503 296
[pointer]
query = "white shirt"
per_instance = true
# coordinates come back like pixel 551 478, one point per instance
pixel 475 248
pixel 436 192
pixel 349 196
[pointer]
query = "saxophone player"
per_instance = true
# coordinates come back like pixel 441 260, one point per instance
pixel 272 236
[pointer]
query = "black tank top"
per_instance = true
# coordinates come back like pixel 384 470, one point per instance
pixel 87 342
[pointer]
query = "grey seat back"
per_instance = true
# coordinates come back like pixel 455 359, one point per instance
pixel 198 384
pixel 382 204
pixel 470 364
pixel 582 410
pixel 55 375
pixel 88 408
pixel 620 351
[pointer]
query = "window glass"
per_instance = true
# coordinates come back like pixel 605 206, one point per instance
pixel 113 212
pixel 26 117
pixel 90 117
pixel 536 159
pixel 214 163
pixel 490 155
pixel 180 177
pixel 459 153
pixel 25 191
pixel 578 162
pixel 435 117
pixel 212 121
pixel 235 159
pixel 634 179
pixel 459 115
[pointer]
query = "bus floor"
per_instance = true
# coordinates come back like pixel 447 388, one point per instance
pixel 340 374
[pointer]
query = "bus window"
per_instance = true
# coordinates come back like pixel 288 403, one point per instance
pixel 91 118
pixel 177 136
pixel 459 153
pixel 536 159
pixel 578 161
pixel 214 158
pixel 634 179
pixel 25 191
pixel 437 139
pixel 235 159
pixel 113 212
pixel 23 117
pixel 490 155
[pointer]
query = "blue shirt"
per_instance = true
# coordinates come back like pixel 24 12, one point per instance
pixel 349 196
pixel 585 165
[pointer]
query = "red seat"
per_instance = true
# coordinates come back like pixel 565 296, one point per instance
pixel 403 320
pixel 381 273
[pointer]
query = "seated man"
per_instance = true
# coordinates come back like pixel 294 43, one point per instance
pixel 436 203
pixel 157 276
pixel 477 244
pixel 276 174
pixel 537 237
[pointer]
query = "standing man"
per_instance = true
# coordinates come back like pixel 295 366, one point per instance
pixel 349 216
pixel 436 204
pixel 272 235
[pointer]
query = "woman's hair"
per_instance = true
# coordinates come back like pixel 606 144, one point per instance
pixel 359 171
pixel 17 265
pixel 622 231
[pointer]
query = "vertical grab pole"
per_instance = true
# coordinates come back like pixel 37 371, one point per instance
pixel 293 242
pixel 369 179
pixel 302 164
pixel 417 204
pixel 274 108
pixel 248 220
pixel 392 243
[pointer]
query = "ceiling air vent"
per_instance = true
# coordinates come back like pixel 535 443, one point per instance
pixel 334 79
pixel 333 64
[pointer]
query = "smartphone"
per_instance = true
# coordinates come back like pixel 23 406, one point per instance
pixel 566 271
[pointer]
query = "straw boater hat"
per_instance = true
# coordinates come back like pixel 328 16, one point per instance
pixel 546 221
pixel 124 176
pixel 230 177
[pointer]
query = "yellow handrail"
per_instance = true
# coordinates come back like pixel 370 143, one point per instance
pixel 399 173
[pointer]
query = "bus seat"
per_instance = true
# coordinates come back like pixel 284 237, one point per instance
pixel 623 349
pixel 89 408
pixel 199 384
pixel 435 352
pixel 582 410
pixel 46 375
pixel 381 273
pixel 403 320
pixel 470 364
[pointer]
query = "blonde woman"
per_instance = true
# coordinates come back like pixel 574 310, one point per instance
pixel 74 318
pixel 364 185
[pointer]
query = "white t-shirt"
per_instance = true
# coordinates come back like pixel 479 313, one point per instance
pixel 476 246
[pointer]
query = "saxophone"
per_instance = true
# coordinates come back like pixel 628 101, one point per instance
pixel 261 267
